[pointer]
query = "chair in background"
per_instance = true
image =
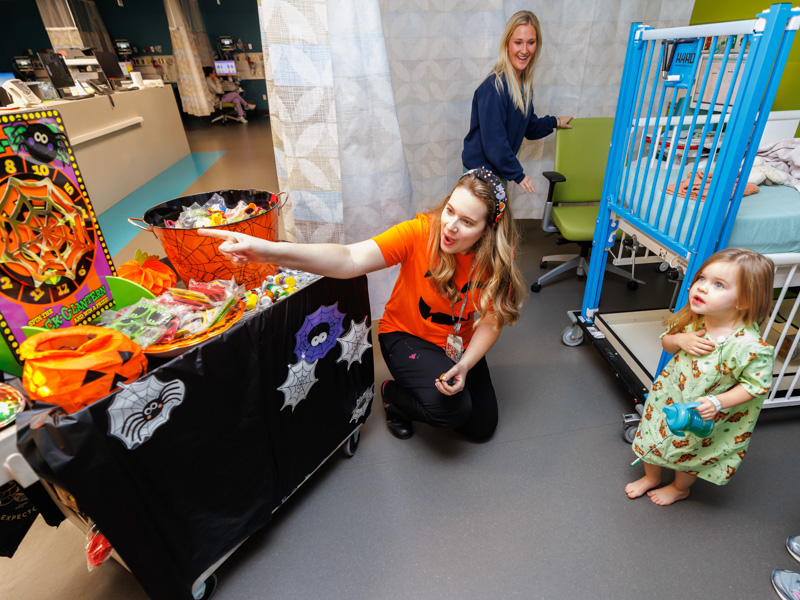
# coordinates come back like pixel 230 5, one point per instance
pixel 574 195
pixel 227 112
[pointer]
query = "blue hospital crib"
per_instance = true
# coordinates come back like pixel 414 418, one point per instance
pixel 693 104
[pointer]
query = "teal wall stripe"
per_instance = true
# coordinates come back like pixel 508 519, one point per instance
pixel 170 184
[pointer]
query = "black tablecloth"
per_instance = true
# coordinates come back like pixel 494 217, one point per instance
pixel 179 467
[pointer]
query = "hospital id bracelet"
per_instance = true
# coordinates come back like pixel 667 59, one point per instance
pixel 716 402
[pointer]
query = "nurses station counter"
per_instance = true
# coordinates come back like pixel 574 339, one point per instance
pixel 122 146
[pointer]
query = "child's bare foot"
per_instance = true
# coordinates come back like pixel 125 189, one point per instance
pixel 667 495
pixel 636 488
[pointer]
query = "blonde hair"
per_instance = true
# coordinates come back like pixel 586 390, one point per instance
pixel 504 288
pixel 754 285
pixel 522 96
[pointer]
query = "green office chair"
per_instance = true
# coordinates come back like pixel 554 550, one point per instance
pixel 580 162
pixel 227 112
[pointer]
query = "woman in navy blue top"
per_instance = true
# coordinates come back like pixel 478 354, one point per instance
pixel 502 107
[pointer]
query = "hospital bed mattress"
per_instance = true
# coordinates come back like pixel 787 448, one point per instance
pixel 767 222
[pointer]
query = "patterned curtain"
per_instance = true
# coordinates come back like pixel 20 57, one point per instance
pixel 337 140
pixel 60 24
pixel 90 24
pixel 194 21
pixel 188 62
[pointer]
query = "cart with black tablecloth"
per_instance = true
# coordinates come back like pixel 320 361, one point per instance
pixel 180 467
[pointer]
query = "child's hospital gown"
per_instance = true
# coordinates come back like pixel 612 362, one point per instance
pixel 743 358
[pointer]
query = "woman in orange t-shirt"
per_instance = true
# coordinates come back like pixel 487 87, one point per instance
pixel 458 287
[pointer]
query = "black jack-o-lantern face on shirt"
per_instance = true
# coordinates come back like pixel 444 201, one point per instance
pixel 440 318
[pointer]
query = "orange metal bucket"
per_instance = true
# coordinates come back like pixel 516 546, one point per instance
pixel 194 256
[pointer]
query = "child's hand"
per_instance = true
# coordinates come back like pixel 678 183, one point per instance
pixel 694 343
pixel 707 410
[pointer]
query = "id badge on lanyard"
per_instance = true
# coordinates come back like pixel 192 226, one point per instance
pixel 455 345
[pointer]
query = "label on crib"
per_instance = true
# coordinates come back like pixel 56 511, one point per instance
pixel 686 56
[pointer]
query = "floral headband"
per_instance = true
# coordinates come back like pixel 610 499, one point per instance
pixel 496 187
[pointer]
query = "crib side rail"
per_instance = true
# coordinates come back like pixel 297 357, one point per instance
pixel 781 330
pixel 693 104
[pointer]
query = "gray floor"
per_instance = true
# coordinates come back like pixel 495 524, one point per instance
pixel 538 511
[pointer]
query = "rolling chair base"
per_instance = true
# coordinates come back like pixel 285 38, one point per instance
pixel 582 266
pixel 225 118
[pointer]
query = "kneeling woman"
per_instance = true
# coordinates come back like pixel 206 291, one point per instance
pixel 458 287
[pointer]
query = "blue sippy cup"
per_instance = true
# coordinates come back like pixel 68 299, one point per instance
pixel 683 417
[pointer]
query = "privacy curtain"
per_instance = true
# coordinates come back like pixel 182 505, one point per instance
pixel 74 24
pixel 60 24
pixel 188 57
pixel 338 146
pixel 90 25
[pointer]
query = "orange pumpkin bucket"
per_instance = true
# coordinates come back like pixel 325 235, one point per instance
pixel 194 256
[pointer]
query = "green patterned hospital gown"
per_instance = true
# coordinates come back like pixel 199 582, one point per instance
pixel 744 358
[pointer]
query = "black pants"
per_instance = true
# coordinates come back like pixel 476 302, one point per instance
pixel 415 364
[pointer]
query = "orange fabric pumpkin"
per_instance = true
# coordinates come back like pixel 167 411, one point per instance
pixel 149 272
pixel 76 366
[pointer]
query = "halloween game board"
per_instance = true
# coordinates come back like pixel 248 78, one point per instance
pixel 53 258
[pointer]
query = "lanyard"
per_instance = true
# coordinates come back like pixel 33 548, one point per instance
pixel 457 326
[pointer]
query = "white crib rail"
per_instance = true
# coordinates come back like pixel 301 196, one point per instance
pixel 781 331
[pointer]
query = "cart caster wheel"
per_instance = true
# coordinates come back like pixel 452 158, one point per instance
pixel 632 285
pixel 543 264
pixel 572 336
pixel 663 267
pixel 352 443
pixel 536 288
pixel 629 433
pixel 206 589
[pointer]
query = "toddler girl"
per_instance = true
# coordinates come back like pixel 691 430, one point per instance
pixel 720 361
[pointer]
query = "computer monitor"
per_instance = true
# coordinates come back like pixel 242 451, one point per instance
pixel 23 64
pixel 109 65
pixel 123 47
pixel 57 70
pixel 6 77
pixel 225 67
pixel 226 43
pixel 713 76
pixel 43 89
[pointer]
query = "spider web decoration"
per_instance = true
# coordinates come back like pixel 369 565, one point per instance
pixel 141 408
pixel 42 233
pixel 318 334
pixel 298 383
pixel 354 342
pixel 362 404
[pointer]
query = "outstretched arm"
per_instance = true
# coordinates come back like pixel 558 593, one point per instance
pixel 331 260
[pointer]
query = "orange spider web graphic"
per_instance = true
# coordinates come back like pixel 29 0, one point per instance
pixel 42 232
